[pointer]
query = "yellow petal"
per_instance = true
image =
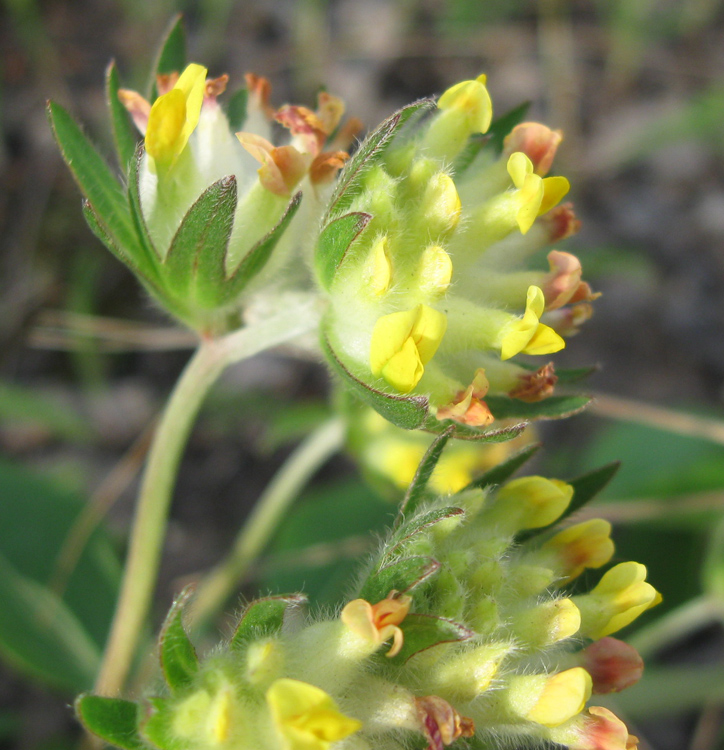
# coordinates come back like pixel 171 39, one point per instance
pixel 388 337
pixel 519 167
pixel 564 695
pixel 554 188
pixel 472 98
pixel 404 369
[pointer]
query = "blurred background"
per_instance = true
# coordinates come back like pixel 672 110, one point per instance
pixel 86 361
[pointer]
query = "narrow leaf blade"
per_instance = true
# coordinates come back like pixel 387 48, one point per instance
pixel 263 618
pixel 333 243
pixel 255 260
pixel 554 407
pixel 178 656
pixel 416 490
pixel 425 631
pixel 402 575
pixel 235 108
pixel 124 134
pixel 112 719
pixel 171 56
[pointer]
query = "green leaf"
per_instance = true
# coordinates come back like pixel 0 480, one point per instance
pixel 255 260
pixel 158 726
pixel 498 474
pixel 171 56
pixel 425 631
pixel 417 524
pixel 112 719
pixel 235 108
pixel 125 135
pixel 349 184
pixel 97 183
pixel 402 575
pixel 474 434
pixel 554 407
pixel 263 618
pixel 40 636
pixel 195 260
pixel 333 243
pixel 178 656
pixel 416 490
pixel 409 412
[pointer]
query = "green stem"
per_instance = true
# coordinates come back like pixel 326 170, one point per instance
pixel 149 525
pixel 218 585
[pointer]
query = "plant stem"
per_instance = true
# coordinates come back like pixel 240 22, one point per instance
pixel 217 586
pixel 149 525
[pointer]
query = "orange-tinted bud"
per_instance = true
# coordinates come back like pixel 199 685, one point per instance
pixel 536 386
pixel 538 142
pixel 325 167
pixel 441 723
pixel 468 406
pixel 563 280
pixel 612 664
pixel 567 321
pixel 604 731
pixel 259 93
pixel 216 86
pixel 330 109
pixel 560 222
pixel 281 167
pixel 137 107
pixel 305 125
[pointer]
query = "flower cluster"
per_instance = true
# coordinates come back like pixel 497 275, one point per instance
pixel 211 200
pixel 465 625
pixel 424 253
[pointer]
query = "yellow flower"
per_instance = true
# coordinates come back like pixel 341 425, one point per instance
pixel 585 545
pixel 532 502
pixel 528 335
pixel 307 717
pixel 563 696
pixel 174 116
pixel 379 622
pixel 619 598
pixel 403 343
pixel 471 99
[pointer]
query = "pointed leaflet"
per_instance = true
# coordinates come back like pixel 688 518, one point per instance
pixel 402 575
pixel 349 183
pixel 112 719
pixel 474 434
pixel 195 260
pixel 425 631
pixel 498 474
pixel 408 412
pixel 256 258
pixel 178 657
pixel 125 135
pixel 416 490
pixel 96 182
pixel 171 55
pixel 585 489
pixel 415 525
pixel 554 407
pixel 263 618
pixel 334 242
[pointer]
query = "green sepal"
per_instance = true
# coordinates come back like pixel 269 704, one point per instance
pixel 350 182
pixel 97 183
pixel 585 489
pixel 112 719
pixel 256 258
pixel 474 434
pixel 157 726
pixel 498 474
pixel 125 136
pixel 416 491
pixel 178 657
pixel 333 243
pixel 553 407
pixel 171 57
pixel 403 575
pixel 502 125
pixel 194 265
pixel 102 234
pixel 408 412
pixel 425 631
pixel 263 618
pixel 235 108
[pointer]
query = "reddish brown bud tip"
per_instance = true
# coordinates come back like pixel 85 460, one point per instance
pixel 560 222
pixel 441 723
pixel 536 386
pixel 612 664
pixel 538 142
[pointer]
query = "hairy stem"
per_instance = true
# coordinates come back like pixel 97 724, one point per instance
pixel 218 585
pixel 149 525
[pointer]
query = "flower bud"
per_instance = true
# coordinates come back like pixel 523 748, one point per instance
pixel 547 623
pixel 612 664
pixel 618 599
pixel 584 545
pixel 530 502
pixel 538 142
pixel 549 700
